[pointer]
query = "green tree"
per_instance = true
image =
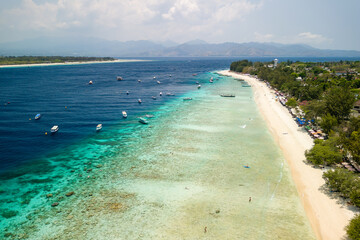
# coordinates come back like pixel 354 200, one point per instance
pixel 353 229
pixel 323 153
pixel 339 102
pixel 291 102
pixel 328 122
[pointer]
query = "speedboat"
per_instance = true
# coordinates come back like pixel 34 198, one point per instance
pixel 37 116
pixel 153 97
pixel 98 127
pixel 124 114
pixel 139 81
pixel 149 115
pixel 160 93
pixel 139 100
pixel 54 129
pixel 154 77
pixel 158 82
pixel 211 80
pixel 143 120
pixel 119 78
pixel 127 92
pixel 199 86
pixel 90 82
pixel 187 98
pixel 170 94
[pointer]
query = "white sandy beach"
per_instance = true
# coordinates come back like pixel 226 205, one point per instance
pixel 70 63
pixel 328 216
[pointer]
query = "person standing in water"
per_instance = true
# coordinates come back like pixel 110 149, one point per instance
pixel 249 199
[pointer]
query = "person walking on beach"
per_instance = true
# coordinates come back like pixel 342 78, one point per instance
pixel 205 229
pixel 249 199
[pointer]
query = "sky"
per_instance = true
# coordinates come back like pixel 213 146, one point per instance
pixel 325 24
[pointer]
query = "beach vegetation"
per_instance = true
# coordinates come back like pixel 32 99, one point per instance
pixel 324 153
pixel 339 102
pixel 291 102
pixel 328 122
pixel 353 229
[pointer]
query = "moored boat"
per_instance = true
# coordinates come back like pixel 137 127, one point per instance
pixel 227 95
pixel 143 120
pixel 37 116
pixel 139 100
pixel 187 98
pixel 160 93
pixel 54 129
pixel 90 82
pixel 153 97
pixel 119 78
pixel 158 82
pixel 124 114
pixel 98 127
pixel 199 86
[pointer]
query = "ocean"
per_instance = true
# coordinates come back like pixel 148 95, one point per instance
pixel 181 176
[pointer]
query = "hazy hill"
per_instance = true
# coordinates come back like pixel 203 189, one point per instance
pixel 196 48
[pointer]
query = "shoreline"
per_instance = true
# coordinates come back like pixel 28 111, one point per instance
pixel 327 214
pixel 70 63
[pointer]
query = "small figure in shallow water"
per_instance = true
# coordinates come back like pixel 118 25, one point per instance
pixel 249 199
pixel 205 229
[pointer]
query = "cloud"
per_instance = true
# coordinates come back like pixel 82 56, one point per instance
pixel 311 37
pixel 183 8
pixel 263 37
pixel 126 19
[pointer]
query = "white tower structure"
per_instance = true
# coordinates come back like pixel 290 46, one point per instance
pixel 275 62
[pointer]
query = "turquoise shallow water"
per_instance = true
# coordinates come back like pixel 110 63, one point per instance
pixel 166 180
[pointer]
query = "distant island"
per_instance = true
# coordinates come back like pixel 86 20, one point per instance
pixel 50 46
pixel 12 60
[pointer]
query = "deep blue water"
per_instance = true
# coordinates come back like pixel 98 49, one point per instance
pixel 64 98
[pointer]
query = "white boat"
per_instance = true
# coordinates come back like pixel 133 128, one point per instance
pixel 160 93
pixel 139 100
pixel 54 129
pixel 139 81
pixel 153 97
pixel 119 78
pixel 211 80
pixel 170 94
pixel 154 77
pixel 127 92
pixel 98 127
pixel 199 86
pixel 158 82
pixel 37 116
pixel 187 98
pixel 90 82
pixel 143 120
pixel 124 114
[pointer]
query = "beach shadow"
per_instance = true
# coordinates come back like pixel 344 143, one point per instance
pixel 344 202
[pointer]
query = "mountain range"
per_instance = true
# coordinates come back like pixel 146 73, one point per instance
pixel 47 46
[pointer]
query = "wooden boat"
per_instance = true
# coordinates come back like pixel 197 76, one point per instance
pixel 98 127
